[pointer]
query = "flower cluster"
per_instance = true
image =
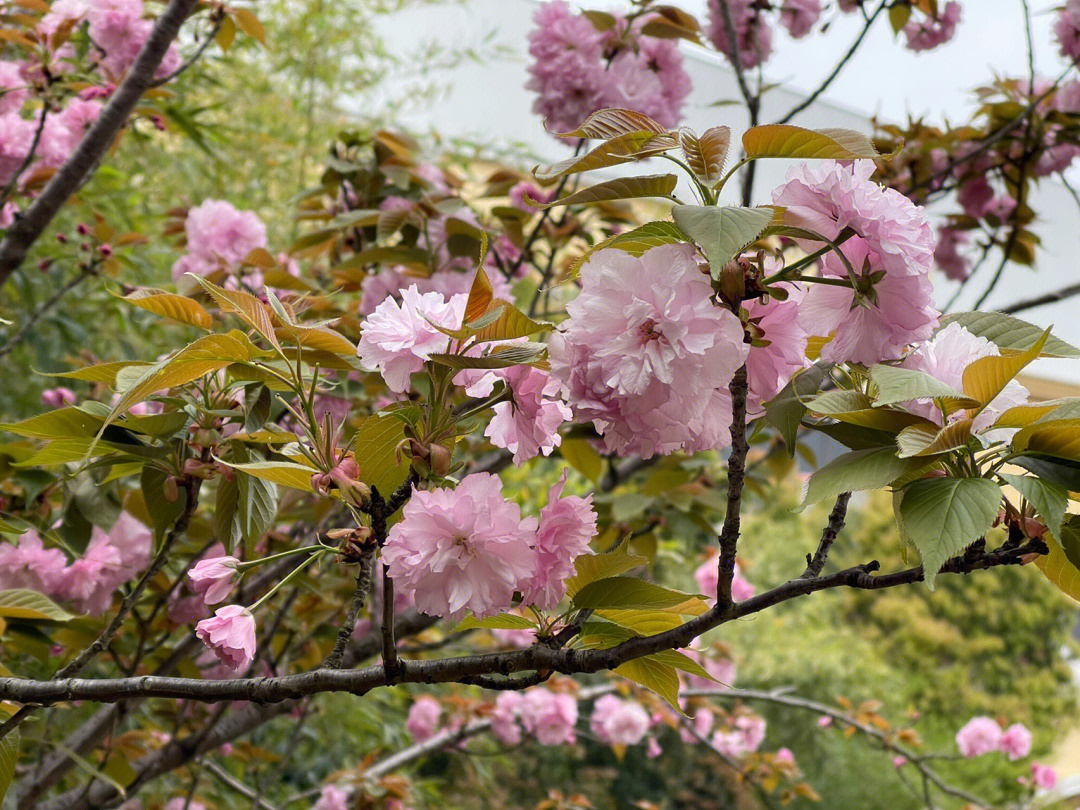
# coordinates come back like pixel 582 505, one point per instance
pixel 470 549
pixel 111 559
pixel 619 722
pixel 891 254
pixel 931 32
pixel 983 735
pixel 548 716
pixel 577 69
pixel 647 355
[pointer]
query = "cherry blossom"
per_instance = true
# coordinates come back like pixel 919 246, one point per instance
pixel 213 578
pixel 923 35
pixel 752 32
pixel 1016 741
pixel 548 716
pixel 980 735
pixel 619 722
pixel 423 720
pixel 230 635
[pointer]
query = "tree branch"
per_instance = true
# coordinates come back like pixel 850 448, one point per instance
pixel 815 564
pixel 729 534
pixel 97 140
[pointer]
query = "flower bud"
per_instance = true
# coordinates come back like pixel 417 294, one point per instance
pixel 170 489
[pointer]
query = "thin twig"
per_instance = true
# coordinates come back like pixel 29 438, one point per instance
pixel 24 331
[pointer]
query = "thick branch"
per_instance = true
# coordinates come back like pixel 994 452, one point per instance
pixel 729 534
pixel 97 140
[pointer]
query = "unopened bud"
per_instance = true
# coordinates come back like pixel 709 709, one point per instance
pixel 82 228
pixel 439 458
pixel 105 250
pixel 170 489
pixel 44 265
pixel 733 281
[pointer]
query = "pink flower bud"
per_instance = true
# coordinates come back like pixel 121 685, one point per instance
pixel 213 578
pixel 230 635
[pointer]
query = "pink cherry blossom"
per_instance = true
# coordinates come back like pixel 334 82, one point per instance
pixel 980 735
pixel 14 89
pixel 461 549
pixel 745 736
pixel 57 397
pixel 219 235
pixel 948 257
pixel 1043 776
pixel 1016 741
pixel 566 526
pixel 707 577
pixel 504 718
pixel 213 578
pixel 652 748
pixel 529 423
pixel 230 635
pixel 722 669
pixel 16 138
pixel 397 339
pixel 514 638
pixel 548 716
pixel 423 720
pixel 91 580
pixel 899 761
pixel 929 33
pixel 182 803
pixel 785 755
pixel 799 16
pixel 702 724
pixel 753 35
pixel 30 565
pixel 619 722
pixel 945 357
pixel 650 80
pixel 768 368
pixel 134 541
pixel 187 609
pixel 824 721
pixel 519 191
pixel 566 70
pixel 646 355
pixel 1067 29
pixel 975 196
pixel 393 281
pixel 332 798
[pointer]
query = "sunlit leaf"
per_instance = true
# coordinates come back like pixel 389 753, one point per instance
pixel 636 242
pixel 786 141
pixel 504 621
pixel 985 378
pixel 1009 334
pixel 623 148
pixel 589 568
pixel 621 188
pixel 929 440
pixel 23 604
pixel 627 592
pixel 178 308
pixel 612 122
pixel 706 155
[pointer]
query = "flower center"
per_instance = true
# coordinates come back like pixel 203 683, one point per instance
pixel 649 331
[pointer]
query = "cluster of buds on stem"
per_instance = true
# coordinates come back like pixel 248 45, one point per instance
pixel 426 458
pixel 344 477
pixel 353 544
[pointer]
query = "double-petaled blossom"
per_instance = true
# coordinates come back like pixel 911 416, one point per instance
pixel 721 668
pixel 781 349
pixel 57 397
pixel 1043 776
pixel 423 719
pixel 1016 742
pixel 577 70
pixel 549 716
pixel 461 549
pixel 980 735
pixel 529 422
pixel 744 736
pixel 891 254
pixel 230 635
pixel 944 358
pixel 947 256
pixel 505 718
pixel 566 526
pixel 619 722
pixel 800 16
pixel 28 564
pixel 213 578
pixel 647 355
pixel 111 558
pixel 331 797
pixel 753 36
pixel 219 236
pixel 707 576
pixel 397 339
pixel 928 33
pixel 1067 29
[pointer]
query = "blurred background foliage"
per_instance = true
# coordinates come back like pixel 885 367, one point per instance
pixel 252 125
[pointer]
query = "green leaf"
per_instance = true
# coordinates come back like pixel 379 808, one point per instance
pixel 1049 499
pixel 856 471
pixel 589 568
pixel 643 622
pixel 985 378
pixel 286 473
pixel 721 231
pixel 504 621
pixel 706 155
pixel 896 384
pixel 169 305
pixel 930 440
pixel 943 516
pixel 623 148
pixel 786 410
pixel 9 758
pixel 855 407
pixel 63 423
pixel 627 592
pixel 23 604
pixel 612 122
pixel 517 354
pixel 375 447
pixel 786 141
pixel 582 456
pixel 226 526
pixel 636 242
pixel 1008 333
pixel 655 676
pixel 1058 439
pixel 256 508
pixel 1062 565
pixel 1062 472
pixel 250 309
pixel 100 372
pixel 621 188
